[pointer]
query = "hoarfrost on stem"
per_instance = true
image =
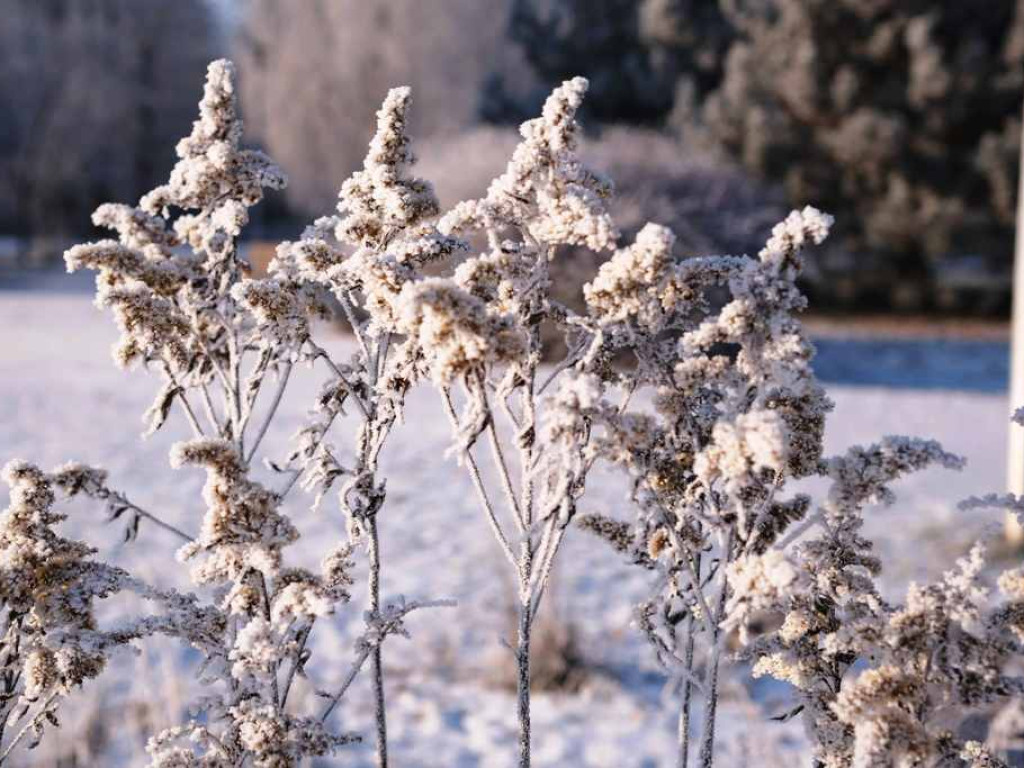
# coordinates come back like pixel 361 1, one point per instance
pixel 709 406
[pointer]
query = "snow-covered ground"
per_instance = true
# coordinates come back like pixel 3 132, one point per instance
pixel 61 398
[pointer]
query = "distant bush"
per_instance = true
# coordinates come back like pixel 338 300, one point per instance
pixel 634 52
pixel 904 114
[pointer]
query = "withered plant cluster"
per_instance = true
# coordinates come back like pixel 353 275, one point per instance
pixel 691 376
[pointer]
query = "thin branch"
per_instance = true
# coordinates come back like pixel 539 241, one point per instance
pixel 537 586
pixel 303 638
pixel 478 483
pixel 390 624
pixel 236 391
pixel 567 362
pixel 282 385
pixel 160 523
pixel 189 413
pixel 321 354
pixel 683 733
pixel 383 349
pixel 357 328
pixel 506 480
pixel 353 670
pixel 815 518
pixel 526 453
pixel 707 747
pixel 25 729
pixel 118 499
pixel 296 474
pixel 224 381
pixel 376 660
pixel 211 413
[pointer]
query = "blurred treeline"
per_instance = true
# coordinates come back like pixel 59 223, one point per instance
pixel 901 117
pixel 93 96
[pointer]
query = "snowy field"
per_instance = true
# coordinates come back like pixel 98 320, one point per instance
pixel 61 398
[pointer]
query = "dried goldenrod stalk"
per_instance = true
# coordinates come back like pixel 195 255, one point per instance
pixel 182 296
pixel 709 405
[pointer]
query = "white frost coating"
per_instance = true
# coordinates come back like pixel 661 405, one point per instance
pixel 693 377
pixel 455 330
pixel 636 282
pixel 546 183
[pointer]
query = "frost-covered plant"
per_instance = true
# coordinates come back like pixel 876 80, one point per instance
pixel 881 683
pixel 364 256
pixel 834 621
pixel 52 642
pixel 49 585
pixel 710 406
pixel 478 330
pixel 184 301
pixel 736 414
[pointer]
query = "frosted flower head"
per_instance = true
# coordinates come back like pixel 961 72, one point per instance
pixel 800 228
pixel 760 583
pixel 498 278
pixel 878 706
pixel 754 442
pixel 634 284
pixel 136 228
pixel 282 309
pixel 243 530
pixel 381 199
pixel 545 187
pixel 455 330
pixel 213 174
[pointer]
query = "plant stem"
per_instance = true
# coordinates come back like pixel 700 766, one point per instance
pixel 523 650
pixel 282 385
pixel 26 729
pixel 303 639
pixel 349 677
pixel 119 498
pixel 707 747
pixel 158 522
pixel 380 712
pixel 478 484
pixel 684 709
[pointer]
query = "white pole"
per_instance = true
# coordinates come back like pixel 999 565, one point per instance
pixel 1015 448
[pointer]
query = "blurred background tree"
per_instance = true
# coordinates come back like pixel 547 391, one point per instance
pixel 636 53
pixel 900 116
pixel 314 72
pixel 94 96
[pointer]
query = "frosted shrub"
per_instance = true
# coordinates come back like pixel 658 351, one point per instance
pixel 51 643
pixel 710 407
pixel 185 304
pixel 736 415
pixel 480 330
